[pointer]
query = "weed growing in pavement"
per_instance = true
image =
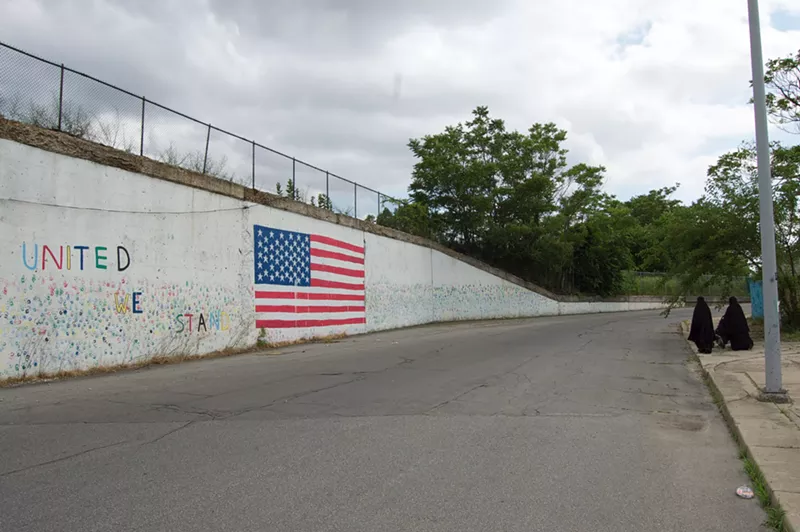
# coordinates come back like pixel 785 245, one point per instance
pixel 775 513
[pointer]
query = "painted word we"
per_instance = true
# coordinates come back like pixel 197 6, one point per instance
pixel 128 303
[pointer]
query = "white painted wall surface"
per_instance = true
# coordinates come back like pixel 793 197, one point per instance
pixel 399 284
pixel 192 271
pixel 463 292
pixel 181 264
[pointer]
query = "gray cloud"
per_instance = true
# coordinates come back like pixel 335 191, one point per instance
pixel 650 93
pixel 352 27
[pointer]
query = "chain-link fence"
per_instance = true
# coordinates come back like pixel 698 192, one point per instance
pixel 46 94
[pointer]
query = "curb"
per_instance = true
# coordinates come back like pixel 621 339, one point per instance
pixel 719 399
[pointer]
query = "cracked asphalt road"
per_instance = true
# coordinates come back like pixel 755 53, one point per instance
pixel 555 424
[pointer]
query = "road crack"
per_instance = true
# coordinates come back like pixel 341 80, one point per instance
pixel 456 398
pixel 63 458
pixel 168 433
pixel 292 397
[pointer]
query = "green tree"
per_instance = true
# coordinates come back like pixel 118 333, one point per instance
pixel 717 238
pixel 648 212
pixel 456 175
pixel 291 191
pixel 782 79
pixel 295 193
pixel 699 238
pixel 322 201
pixel 604 252
pixel 409 217
pixel 506 197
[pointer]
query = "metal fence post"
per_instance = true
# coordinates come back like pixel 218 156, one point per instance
pixel 327 188
pixel 205 157
pixel 379 203
pixel 294 180
pixel 61 97
pixel 254 165
pixel 141 139
pixel 355 200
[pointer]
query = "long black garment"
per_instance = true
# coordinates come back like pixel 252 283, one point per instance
pixel 722 333
pixel 734 328
pixel 702 329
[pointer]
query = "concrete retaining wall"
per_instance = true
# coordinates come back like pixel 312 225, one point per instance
pixel 103 265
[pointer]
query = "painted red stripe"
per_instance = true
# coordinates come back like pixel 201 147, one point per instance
pixel 309 308
pixel 321 283
pixel 324 253
pixel 304 295
pixel 337 243
pixel 337 270
pixel 290 324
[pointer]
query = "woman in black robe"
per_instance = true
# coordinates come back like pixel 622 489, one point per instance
pixel 734 329
pixel 702 329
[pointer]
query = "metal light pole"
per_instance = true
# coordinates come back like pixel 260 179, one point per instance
pixel 772 335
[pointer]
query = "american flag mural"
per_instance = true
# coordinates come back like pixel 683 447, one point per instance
pixel 306 280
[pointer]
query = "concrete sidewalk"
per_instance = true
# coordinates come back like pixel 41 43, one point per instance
pixel 770 433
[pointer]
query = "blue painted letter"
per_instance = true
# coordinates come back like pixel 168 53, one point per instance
pixel 35 256
pixel 213 319
pixel 136 308
pixel 82 248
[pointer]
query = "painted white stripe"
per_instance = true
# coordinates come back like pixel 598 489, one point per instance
pixel 306 289
pixel 335 304
pixel 307 315
pixel 338 263
pixel 320 245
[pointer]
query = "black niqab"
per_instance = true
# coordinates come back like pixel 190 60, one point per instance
pixel 735 320
pixel 735 326
pixel 702 329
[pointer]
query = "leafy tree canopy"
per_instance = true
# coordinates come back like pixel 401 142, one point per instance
pixel 518 201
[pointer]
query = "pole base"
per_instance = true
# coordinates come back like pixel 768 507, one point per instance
pixel 780 397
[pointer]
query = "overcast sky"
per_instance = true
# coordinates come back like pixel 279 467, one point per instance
pixel 654 90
